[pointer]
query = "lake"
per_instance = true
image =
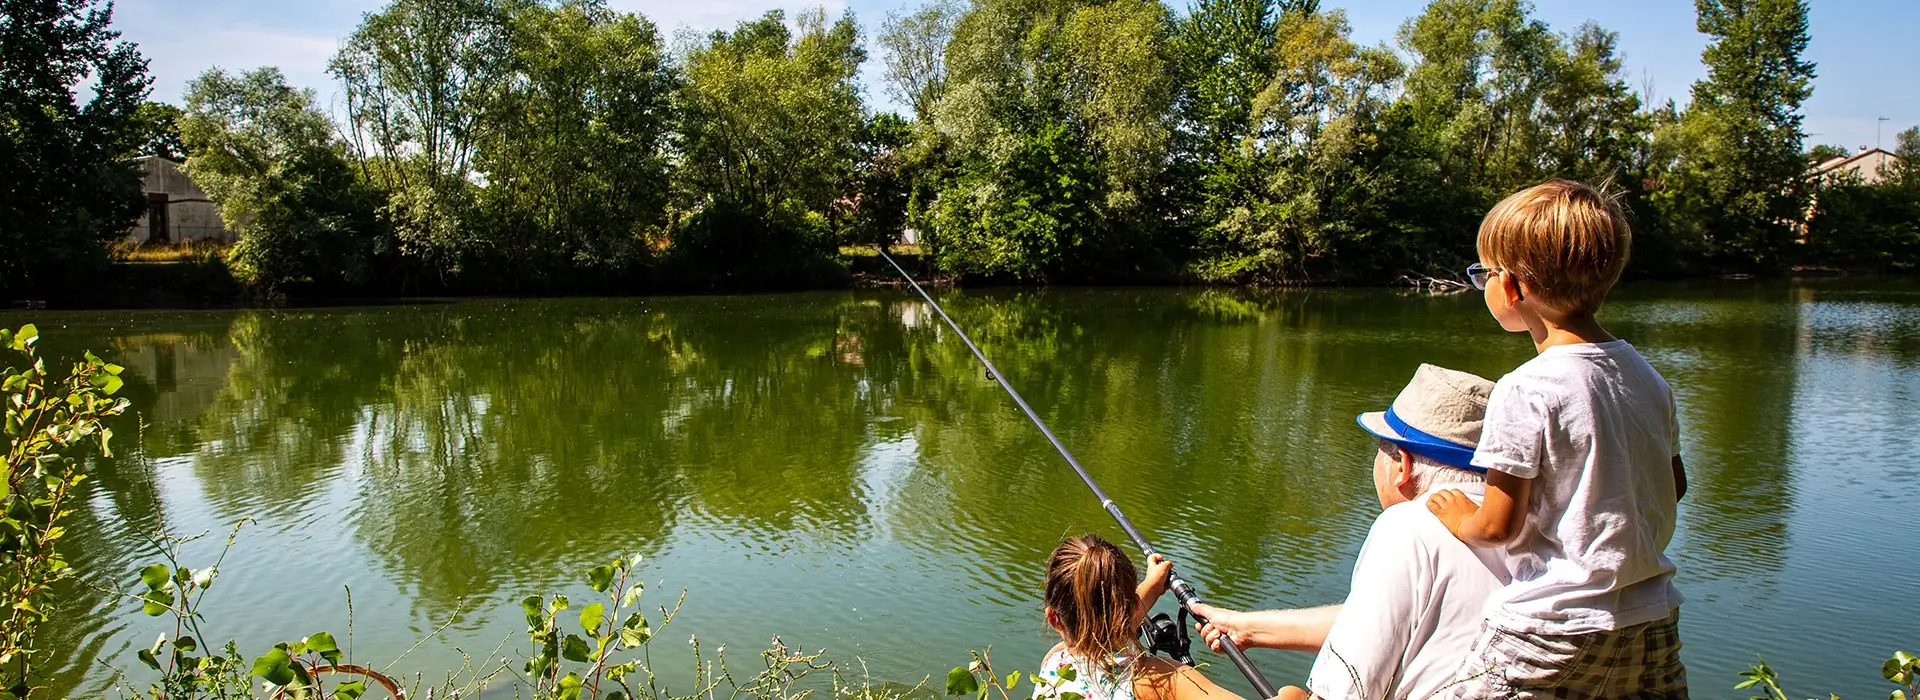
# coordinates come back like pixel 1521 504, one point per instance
pixel 836 469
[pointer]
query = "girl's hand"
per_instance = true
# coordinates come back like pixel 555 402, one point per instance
pixel 1155 585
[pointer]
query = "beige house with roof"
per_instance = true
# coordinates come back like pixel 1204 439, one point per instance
pixel 178 211
pixel 1870 165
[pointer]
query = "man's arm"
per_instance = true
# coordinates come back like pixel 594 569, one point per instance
pixel 1286 630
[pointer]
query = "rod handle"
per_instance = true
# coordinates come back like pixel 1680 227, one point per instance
pixel 1184 593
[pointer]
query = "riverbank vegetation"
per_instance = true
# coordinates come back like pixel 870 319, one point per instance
pixel 530 146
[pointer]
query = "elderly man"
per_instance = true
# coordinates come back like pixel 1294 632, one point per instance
pixel 1418 594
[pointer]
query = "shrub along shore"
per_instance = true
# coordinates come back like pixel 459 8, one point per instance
pixel 554 147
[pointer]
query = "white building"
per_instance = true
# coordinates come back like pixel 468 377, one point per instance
pixel 1870 165
pixel 178 211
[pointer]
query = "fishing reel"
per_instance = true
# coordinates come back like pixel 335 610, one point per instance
pixel 1162 635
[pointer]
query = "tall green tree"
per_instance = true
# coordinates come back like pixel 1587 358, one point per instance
pixel 417 78
pixel 1476 91
pixel 268 155
pixel 1223 56
pixel 68 191
pixel 572 146
pixel 158 127
pixel 1736 192
pixel 874 212
pixel 1314 185
pixel 769 119
pixel 1057 114
pixel 913 56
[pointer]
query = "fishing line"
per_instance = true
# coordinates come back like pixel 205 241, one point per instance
pixel 1179 586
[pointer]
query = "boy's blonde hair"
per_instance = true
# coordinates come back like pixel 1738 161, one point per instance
pixel 1567 241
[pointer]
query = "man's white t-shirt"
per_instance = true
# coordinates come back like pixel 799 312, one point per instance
pixel 1418 598
pixel 1593 426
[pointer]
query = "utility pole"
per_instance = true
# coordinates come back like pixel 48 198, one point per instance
pixel 1876 132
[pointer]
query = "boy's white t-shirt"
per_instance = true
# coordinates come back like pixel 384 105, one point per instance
pixel 1593 426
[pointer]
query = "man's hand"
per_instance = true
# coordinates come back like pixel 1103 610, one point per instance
pixel 1221 622
pixel 1453 508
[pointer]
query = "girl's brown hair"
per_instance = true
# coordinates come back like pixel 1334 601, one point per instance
pixel 1090 587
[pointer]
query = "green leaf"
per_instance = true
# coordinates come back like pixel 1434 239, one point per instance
pixel 28 333
pixel 274 667
pixel 146 657
pixel 1897 695
pixel 574 649
pixel 155 576
pixel 570 687
pixel 1072 696
pixel 601 578
pixel 531 604
pixel 591 617
pixel 1068 673
pixel 158 603
pixel 634 638
pixel 632 595
pixel 1890 669
pixel 111 384
pixel 186 644
pixel 1013 679
pixel 350 690
pixel 960 681
pixel 322 643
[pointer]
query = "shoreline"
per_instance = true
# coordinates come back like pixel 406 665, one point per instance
pixel 206 284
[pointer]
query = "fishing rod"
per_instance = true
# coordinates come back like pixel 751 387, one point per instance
pixel 1182 591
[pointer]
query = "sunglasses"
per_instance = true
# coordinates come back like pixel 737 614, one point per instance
pixel 1478 274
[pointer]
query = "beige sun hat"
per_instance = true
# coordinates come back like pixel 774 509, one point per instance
pixel 1438 415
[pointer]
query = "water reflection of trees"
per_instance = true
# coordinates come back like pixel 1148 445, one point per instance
pixel 1728 358
pixel 489 441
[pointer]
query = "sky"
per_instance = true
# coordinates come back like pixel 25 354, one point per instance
pixel 1867 58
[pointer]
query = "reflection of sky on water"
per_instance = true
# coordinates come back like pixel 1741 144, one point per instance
pixel 834 469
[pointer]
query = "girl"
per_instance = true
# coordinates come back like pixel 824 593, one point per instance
pixel 1096 601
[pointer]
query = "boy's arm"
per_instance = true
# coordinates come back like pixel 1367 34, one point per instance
pixel 1679 479
pixel 1495 521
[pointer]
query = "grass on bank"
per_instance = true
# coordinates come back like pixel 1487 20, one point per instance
pixel 169 252
pixel 863 251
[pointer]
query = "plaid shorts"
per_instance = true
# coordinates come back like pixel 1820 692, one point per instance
pixel 1642 661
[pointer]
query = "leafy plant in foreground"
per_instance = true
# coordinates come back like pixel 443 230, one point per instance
pixel 47 421
pixel 1901 669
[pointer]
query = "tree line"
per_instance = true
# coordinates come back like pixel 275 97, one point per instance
pixel 558 145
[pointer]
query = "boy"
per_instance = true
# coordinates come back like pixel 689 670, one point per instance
pixel 1584 473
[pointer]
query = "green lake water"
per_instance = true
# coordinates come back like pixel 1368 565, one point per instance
pixel 834 468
